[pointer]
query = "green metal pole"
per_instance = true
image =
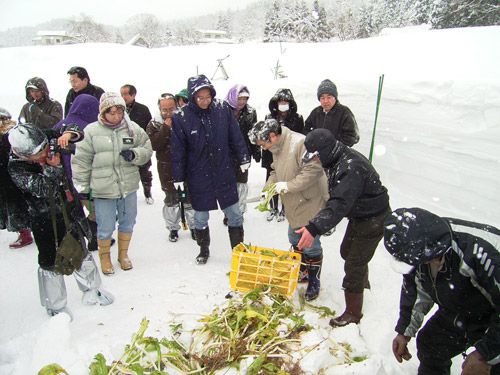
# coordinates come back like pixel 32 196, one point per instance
pixel 379 96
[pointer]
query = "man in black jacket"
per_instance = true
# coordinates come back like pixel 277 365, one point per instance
pixel 139 114
pixel 35 166
pixel 80 84
pixel 333 116
pixel 456 264
pixel 356 193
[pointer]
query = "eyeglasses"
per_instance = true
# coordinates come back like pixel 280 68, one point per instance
pixel 118 111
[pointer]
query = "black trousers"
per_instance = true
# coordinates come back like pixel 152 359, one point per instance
pixel 146 175
pixel 440 340
pixel 361 238
pixel 43 234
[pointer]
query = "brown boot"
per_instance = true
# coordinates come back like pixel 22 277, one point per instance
pixel 352 313
pixel 104 256
pixel 123 242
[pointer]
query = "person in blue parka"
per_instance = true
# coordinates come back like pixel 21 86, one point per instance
pixel 205 140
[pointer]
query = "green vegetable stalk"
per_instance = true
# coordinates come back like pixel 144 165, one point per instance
pixel 270 191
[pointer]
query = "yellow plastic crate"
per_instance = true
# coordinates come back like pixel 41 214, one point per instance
pixel 264 266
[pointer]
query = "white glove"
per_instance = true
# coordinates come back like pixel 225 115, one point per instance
pixel 244 167
pixel 179 186
pixel 281 187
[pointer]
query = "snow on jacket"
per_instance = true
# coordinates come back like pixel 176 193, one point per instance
pixel 203 144
pixel 339 120
pixel 160 135
pixel 98 165
pixel 355 190
pixel 472 267
pixel 293 120
pixel 84 111
pixel 247 117
pixel 40 185
pixel 12 202
pixel 44 114
pixel 307 184
pixel 90 89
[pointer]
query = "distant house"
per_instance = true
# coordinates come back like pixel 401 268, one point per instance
pixel 45 38
pixel 212 36
pixel 138 40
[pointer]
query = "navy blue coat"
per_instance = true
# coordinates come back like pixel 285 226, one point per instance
pixel 203 143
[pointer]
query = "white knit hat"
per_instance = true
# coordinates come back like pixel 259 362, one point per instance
pixel 110 99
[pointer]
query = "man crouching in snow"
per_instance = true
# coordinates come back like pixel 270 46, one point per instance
pixel 455 264
pixel 35 167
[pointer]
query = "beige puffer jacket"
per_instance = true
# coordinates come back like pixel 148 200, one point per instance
pixel 307 183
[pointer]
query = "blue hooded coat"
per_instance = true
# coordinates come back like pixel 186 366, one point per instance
pixel 203 143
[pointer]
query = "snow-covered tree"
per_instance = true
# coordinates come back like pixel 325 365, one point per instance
pixel 86 30
pixel 224 21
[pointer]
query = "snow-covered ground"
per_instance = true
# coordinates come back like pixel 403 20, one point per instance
pixel 437 135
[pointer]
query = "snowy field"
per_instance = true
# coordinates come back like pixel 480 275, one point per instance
pixel 436 147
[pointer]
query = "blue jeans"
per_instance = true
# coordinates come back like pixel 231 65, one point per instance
pixel 314 251
pixel 233 214
pixel 109 211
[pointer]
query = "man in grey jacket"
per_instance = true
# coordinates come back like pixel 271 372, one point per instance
pixel 303 188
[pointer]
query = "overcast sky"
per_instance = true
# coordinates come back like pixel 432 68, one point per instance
pixel 112 12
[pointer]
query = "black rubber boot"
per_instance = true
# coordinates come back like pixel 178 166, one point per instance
pixel 92 244
pixel 203 241
pixel 235 235
pixel 314 274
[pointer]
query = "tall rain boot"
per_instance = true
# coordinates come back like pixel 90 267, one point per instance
pixel 123 243
pixel 92 244
pixel 203 240
pixel 24 239
pixel 352 313
pixel 104 256
pixel 235 235
pixel 89 282
pixel 314 274
pixel 52 292
pixel 303 271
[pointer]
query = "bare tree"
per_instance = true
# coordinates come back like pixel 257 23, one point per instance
pixel 85 30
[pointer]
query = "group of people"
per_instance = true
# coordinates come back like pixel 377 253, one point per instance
pixel 204 148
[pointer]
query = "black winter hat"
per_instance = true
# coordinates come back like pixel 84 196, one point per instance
pixel 415 236
pixel 27 140
pixel 327 87
pixel 319 142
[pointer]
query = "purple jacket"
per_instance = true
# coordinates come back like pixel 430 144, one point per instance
pixel 203 144
pixel 83 111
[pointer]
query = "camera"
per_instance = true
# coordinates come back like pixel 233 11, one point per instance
pixel 54 148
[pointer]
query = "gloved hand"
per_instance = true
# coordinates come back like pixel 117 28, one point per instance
pixel 128 155
pixel 244 167
pixel 281 187
pixel 179 186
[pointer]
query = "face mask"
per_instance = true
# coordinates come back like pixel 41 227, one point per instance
pixel 283 107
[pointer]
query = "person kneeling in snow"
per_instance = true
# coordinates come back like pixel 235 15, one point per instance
pixel 35 167
pixel 455 264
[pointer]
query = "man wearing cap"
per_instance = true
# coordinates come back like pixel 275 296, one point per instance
pixel 205 141
pixel 357 194
pixel 139 113
pixel 332 115
pixel 54 211
pixel 303 189
pixel 80 84
pixel 41 110
pixel 456 265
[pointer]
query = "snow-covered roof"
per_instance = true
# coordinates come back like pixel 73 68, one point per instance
pixel 219 32
pixel 52 33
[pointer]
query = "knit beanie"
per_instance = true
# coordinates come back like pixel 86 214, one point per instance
pixel 110 99
pixel 327 87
